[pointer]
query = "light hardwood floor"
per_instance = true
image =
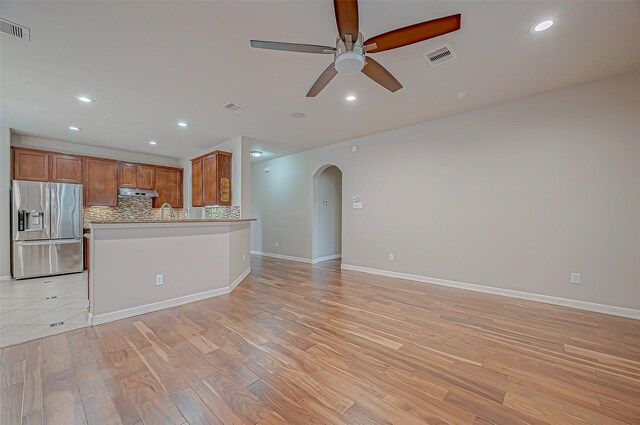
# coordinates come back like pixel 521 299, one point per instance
pixel 300 344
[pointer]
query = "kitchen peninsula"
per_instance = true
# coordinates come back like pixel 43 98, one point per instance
pixel 140 266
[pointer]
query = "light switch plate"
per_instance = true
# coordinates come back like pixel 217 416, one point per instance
pixel 159 279
pixel 575 278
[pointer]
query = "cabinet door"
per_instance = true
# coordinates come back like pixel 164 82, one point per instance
pixel 128 174
pixel 224 179
pixel 30 165
pixel 209 180
pixel 66 168
pixel 169 187
pixel 100 182
pixel 146 176
pixel 196 183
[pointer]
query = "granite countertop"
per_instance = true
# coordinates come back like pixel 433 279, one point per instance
pixel 172 221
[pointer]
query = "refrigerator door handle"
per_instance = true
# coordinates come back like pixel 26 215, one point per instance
pixel 47 242
pixel 32 243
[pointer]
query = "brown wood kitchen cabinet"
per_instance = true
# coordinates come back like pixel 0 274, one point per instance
pixel 211 179
pixel 146 176
pixel 30 164
pixel 66 168
pixel 137 176
pixel 100 177
pixel 100 182
pixel 169 187
pixel 127 174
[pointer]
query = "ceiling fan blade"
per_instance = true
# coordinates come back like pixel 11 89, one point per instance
pixel 380 75
pixel 414 33
pixel 346 18
pixel 292 47
pixel 322 80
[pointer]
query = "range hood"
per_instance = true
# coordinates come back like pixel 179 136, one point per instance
pixel 145 193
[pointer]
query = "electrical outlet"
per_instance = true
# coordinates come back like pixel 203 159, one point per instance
pixel 390 257
pixel 575 278
pixel 276 244
pixel 159 279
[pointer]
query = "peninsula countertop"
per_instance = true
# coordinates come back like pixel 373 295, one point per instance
pixel 170 222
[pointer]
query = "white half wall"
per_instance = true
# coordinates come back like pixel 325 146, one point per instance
pixel 197 260
pixel 514 196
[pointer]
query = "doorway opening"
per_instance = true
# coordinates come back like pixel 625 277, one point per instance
pixel 327 214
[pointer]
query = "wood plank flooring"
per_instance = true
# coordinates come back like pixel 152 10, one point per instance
pixel 301 344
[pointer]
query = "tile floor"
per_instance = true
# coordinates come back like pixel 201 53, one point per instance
pixel 29 307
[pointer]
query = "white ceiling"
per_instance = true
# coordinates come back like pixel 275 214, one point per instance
pixel 150 64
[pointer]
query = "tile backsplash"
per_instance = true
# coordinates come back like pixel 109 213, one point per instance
pixel 222 213
pixel 138 208
pixel 130 208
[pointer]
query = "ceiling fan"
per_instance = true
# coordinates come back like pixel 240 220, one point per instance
pixel 351 52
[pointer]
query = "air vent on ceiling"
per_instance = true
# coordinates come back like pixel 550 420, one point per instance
pixel 15 30
pixel 440 55
pixel 234 107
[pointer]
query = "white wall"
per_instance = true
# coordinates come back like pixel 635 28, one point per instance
pixel 5 203
pixel 328 213
pixel 75 148
pixel 514 196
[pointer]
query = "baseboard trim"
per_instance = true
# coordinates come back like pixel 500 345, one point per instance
pixel 239 279
pixel 174 302
pixel 565 302
pixel 283 257
pixel 299 259
pixel 3 278
pixel 325 258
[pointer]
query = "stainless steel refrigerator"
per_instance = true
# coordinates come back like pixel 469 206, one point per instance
pixel 46 228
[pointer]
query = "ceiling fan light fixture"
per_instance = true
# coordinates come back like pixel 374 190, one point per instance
pixel 349 63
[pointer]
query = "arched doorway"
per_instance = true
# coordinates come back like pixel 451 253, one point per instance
pixel 327 214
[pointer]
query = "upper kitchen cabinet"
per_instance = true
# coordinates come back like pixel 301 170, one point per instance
pixel 137 176
pixel 196 182
pixel 146 176
pixel 168 186
pixel 100 182
pixel 127 174
pixel 211 179
pixel 66 168
pixel 30 164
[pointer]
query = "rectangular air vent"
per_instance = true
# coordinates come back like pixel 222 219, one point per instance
pixel 234 107
pixel 440 55
pixel 15 30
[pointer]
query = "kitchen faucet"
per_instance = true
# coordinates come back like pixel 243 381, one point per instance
pixel 166 204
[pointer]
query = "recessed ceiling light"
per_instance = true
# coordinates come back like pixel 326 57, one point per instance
pixel 350 98
pixel 256 154
pixel 153 142
pixel 298 115
pixel 544 25
pixel 182 124
pixel 74 128
pixel 85 99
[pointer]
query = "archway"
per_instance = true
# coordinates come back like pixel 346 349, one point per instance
pixel 327 214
